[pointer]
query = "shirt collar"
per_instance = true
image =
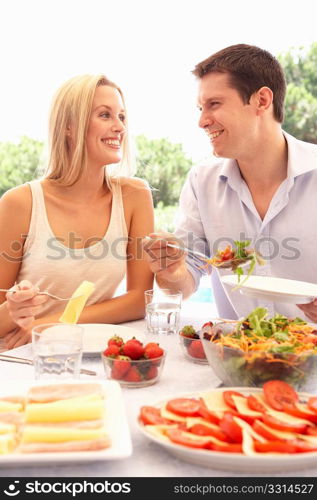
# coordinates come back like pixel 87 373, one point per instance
pixel 302 158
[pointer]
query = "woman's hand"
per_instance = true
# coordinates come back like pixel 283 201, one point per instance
pixel 24 304
pixel 17 337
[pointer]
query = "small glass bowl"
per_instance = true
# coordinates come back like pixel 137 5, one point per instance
pixel 134 373
pixel 193 349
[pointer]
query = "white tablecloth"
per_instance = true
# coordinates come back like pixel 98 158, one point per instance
pixel 148 458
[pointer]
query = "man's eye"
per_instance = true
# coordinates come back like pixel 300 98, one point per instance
pixel 214 103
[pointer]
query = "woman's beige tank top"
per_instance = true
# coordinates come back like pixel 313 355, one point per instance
pixel 58 269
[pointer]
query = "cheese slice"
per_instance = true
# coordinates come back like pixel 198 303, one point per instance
pixel 288 419
pixel 171 416
pixel 203 439
pixel 280 435
pixel 215 402
pixel 245 426
pixel 243 407
pixel 73 409
pixel 76 304
pixel 8 406
pixel 6 428
pixel 51 434
pixel 159 431
pixel 191 421
pixel 309 439
pixel 7 443
pixel 248 444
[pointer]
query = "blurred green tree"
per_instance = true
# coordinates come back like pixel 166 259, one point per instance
pixel 19 162
pixel 301 97
pixel 164 165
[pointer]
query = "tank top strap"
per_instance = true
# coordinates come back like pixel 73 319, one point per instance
pixel 118 217
pixel 38 222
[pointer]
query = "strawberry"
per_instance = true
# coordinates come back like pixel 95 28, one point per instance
pixel 112 351
pixel 152 373
pixel 115 340
pixel 188 331
pixel 132 348
pixel 132 375
pixel 153 351
pixel 196 350
pixel 209 323
pixel 120 367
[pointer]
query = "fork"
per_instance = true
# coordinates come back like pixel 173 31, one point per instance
pixel 195 253
pixel 24 361
pixel 201 256
pixel 55 297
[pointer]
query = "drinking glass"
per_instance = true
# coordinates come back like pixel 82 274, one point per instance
pixel 57 350
pixel 162 310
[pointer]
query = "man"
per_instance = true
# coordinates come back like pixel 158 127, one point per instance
pixel 261 185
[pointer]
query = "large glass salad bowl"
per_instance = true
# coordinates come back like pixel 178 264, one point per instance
pixel 256 349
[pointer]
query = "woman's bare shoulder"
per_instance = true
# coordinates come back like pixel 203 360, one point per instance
pixel 133 184
pixel 17 202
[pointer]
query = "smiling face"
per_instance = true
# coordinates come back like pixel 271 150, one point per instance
pixel 231 125
pixel 106 127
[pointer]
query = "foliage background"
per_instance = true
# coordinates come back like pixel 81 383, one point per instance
pixel 163 163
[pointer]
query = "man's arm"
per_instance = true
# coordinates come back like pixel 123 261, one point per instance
pixel 168 264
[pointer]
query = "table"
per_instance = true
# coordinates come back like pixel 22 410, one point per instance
pixel 148 459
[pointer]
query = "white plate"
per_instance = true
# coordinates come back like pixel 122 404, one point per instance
pixel 235 461
pixel 96 335
pixel 274 289
pixel 116 424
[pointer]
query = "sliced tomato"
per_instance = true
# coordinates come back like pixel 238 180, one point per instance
pixel 283 426
pixel 180 437
pixel 312 431
pixel 275 446
pixel 204 430
pixel 152 416
pixel 248 418
pixel 254 404
pixel 259 429
pixel 312 404
pixel 227 396
pixel 231 428
pixel 278 393
pixel 186 407
pixel 304 446
pixel 227 253
pixel 296 412
pixel 207 414
pixel 229 448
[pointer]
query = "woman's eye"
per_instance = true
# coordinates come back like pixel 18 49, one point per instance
pixel 105 114
pixel 122 118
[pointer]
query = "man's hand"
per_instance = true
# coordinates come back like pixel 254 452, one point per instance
pixel 310 310
pixel 24 304
pixel 167 263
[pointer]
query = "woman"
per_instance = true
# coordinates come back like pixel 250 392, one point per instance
pixel 81 221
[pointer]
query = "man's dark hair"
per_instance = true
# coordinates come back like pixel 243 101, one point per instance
pixel 249 68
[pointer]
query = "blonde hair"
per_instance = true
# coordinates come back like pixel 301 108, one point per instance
pixel 70 109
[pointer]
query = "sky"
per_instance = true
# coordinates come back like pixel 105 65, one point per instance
pixel 148 47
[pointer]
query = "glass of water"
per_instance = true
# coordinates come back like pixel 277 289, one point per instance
pixel 162 310
pixel 57 350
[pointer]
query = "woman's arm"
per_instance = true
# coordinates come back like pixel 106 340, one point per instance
pixel 15 214
pixel 138 207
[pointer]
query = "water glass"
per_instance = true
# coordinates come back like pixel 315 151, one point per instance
pixel 162 311
pixel 57 350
